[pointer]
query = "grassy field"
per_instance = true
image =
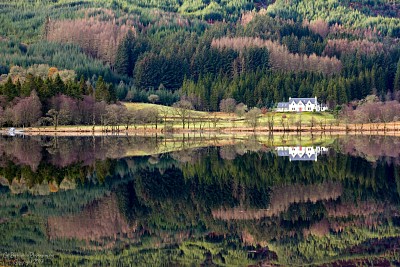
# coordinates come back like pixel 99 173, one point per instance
pixel 225 120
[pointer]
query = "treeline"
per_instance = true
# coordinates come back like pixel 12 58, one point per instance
pixel 371 110
pixel 267 88
pixel 62 56
pixel 70 102
pixel 280 57
pixel 332 12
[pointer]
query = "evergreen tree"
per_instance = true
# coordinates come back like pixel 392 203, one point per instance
pixel 82 86
pixel 396 85
pixel 28 86
pixel 58 86
pixel 10 89
pixel 101 92
pixel 124 61
pixel 45 90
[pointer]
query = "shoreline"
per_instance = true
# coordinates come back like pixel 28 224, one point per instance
pixel 390 129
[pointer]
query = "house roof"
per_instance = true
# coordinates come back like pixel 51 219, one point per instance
pixel 303 100
pixel 283 153
pixel 283 104
pixel 305 157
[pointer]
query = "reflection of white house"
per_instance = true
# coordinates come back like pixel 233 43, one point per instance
pixel 299 153
pixel 300 105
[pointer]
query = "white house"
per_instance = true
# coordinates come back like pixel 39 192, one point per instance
pixel 300 105
pixel 299 153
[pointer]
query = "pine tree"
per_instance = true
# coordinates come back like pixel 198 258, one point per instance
pixel 396 85
pixel 124 61
pixel 82 86
pixel 58 86
pixel 101 92
pixel 44 91
pixel 28 86
pixel 10 89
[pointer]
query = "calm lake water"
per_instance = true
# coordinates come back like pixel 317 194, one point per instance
pixel 195 200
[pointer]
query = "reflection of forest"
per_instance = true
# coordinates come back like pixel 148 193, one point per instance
pixel 242 192
pixel 372 147
pixel 281 198
pixel 100 219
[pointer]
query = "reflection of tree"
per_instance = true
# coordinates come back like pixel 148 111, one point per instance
pixel 227 152
pixel 22 151
pixel 98 220
pixel 128 203
pixel 372 148
pixel 281 199
pixel 187 155
pixel 174 198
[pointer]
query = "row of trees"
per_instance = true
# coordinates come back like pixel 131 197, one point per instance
pixel 280 57
pixel 49 87
pixel 97 38
pixel 371 110
pixel 65 110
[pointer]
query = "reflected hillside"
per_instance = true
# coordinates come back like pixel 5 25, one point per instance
pixel 98 221
pixel 240 203
pixel 281 198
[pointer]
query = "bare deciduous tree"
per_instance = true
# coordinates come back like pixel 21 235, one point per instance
pixel 27 111
pixel 183 109
pixel 153 98
pixel 271 120
pixel 227 105
pixel 240 109
pixel 252 117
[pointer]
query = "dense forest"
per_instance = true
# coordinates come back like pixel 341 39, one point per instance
pixel 256 52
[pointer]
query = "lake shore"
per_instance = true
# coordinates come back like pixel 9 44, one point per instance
pixel 389 129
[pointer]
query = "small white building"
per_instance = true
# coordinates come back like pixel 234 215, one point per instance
pixel 299 153
pixel 300 105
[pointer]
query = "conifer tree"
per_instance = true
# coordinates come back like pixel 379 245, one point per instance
pixel 58 86
pixel 124 61
pixel 101 91
pixel 396 85
pixel 10 89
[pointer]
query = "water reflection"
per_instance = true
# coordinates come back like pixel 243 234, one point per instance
pixel 235 201
pixel 299 153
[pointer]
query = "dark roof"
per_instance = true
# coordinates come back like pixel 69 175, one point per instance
pixel 283 153
pixel 303 100
pixel 283 104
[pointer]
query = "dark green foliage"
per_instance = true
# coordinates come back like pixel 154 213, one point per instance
pixel 396 83
pixel 125 60
pixel 9 89
pixel 172 40
pixel 55 55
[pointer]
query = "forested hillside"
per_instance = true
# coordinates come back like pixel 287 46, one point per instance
pixel 257 52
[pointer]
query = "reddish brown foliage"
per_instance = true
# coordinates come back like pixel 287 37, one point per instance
pixel 318 26
pixel 344 46
pixel 281 198
pixel 280 57
pixel 98 220
pixel 98 38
